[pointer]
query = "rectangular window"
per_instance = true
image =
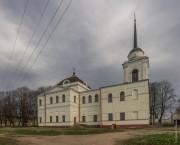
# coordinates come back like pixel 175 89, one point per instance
pixel 110 117
pixel 40 119
pixel 122 116
pixel 74 99
pixel 95 118
pixel 63 118
pixel 83 118
pixel 57 118
pixel 50 119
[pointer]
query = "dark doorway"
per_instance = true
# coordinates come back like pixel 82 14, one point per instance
pixel 74 120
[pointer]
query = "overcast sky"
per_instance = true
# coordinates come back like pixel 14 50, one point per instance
pixel 94 36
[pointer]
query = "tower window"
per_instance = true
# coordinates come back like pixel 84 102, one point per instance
pixel 135 75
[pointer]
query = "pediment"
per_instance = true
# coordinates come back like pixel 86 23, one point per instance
pixel 56 88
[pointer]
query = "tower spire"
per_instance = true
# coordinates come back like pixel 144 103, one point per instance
pixel 135 33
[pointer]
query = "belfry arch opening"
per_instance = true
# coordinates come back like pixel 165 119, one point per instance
pixel 135 75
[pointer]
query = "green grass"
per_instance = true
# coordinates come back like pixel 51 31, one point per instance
pixel 30 131
pixel 85 131
pixel 8 141
pixel 55 131
pixel 158 139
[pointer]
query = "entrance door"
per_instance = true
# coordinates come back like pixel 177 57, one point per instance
pixel 74 120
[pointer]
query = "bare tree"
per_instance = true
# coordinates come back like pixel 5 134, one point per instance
pixel 163 99
pixel 153 97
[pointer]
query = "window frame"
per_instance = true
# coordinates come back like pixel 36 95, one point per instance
pixel 40 102
pixel 50 119
pixel 63 118
pixel 95 118
pixel 89 99
pixel 110 116
pixel 96 98
pixel 83 100
pixel 57 99
pixel 57 118
pixel 83 118
pixel 122 116
pixel 63 98
pixel 122 96
pixel 110 98
pixel 74 98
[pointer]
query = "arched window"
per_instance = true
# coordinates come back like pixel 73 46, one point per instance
pixel 63 98
pixel 90 99
pixel 57 99
pixel 135 75
pixel 40 102
pixel 135 94
pixel 122 96
pixel 96 98
pixel 83 100
pixel 74 99
pixel 51 100
pixel 110 98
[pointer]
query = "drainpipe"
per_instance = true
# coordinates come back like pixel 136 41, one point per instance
pixel 45 108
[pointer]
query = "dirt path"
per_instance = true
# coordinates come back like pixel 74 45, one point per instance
pixel 99 139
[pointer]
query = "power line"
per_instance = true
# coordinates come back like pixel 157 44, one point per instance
pixel 4 76
pixel 37 43
pixel 46 41
pixel 29 43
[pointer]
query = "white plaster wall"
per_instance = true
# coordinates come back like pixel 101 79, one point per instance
pixel 90 109
pixel 140 105
pixel 74 107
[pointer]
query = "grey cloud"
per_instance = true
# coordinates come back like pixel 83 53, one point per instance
pixel 95 37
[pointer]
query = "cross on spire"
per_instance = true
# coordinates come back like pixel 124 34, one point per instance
pixel 74 71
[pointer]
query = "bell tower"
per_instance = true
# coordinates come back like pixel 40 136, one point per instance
pixel 137 66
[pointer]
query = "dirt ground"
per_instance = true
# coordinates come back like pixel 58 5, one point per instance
pixel 99 139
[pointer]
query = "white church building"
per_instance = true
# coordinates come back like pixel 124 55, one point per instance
pixel 73 102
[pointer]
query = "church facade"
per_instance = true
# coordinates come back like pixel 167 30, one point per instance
pixel 72 101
